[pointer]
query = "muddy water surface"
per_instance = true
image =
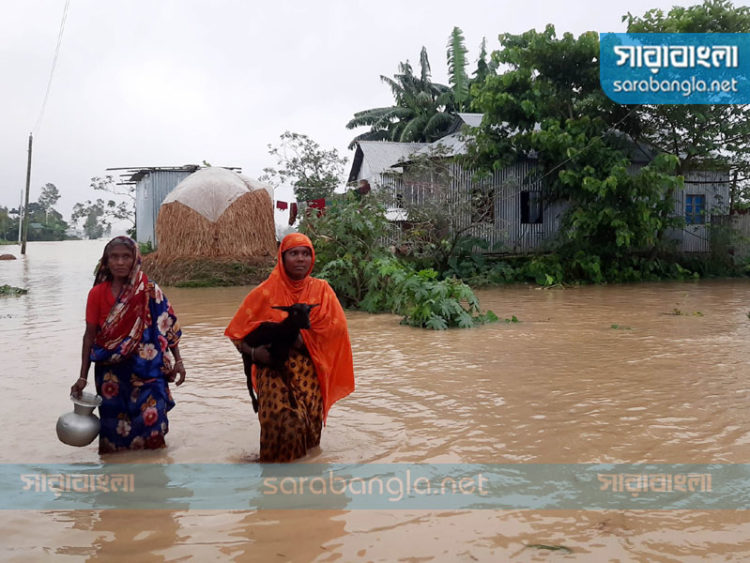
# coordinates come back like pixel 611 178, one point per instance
pixel 623 374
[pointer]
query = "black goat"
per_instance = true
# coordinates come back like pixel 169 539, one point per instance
pixel 279 337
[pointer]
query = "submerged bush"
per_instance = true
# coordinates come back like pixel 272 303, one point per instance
pixel 423 299
pixel 352 256
pixel 10 290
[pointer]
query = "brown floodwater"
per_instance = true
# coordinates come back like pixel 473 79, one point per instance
pixel 647 373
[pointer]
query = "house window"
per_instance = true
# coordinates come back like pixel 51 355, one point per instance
pixel 531 207
pixel 695 209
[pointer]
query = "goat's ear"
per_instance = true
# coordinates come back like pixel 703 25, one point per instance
pixel 280 308
pixel 313 305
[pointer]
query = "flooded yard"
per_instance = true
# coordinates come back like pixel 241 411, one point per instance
pixel 649 373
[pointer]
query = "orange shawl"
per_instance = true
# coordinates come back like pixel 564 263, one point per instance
pixel 327 339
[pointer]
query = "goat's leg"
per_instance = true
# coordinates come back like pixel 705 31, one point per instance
pixel 249 375
pixel 253 398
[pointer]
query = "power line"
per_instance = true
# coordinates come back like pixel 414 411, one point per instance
pixel 54 64
pixel 589 143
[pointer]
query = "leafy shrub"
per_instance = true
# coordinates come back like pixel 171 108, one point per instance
pixel 10 290
pixel 349 247
pixel 423 299
pixel 544 270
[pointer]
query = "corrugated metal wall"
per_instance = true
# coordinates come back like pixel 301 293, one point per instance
pixel 507 233
pixel 503 229
pixel 714 186
pixel 150 191
pixel 734 234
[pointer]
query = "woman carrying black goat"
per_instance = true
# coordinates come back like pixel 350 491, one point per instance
pixel 319 370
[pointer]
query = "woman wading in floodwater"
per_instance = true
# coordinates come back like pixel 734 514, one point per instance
pixel 130 326
pixel 320 364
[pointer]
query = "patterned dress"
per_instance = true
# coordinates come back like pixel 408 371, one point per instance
pixel 286 432
pixel 134 389
pixel 134 330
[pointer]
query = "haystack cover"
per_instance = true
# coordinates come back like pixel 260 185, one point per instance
pixel 208 191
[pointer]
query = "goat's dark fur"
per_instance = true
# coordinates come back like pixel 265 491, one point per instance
pixel 279 337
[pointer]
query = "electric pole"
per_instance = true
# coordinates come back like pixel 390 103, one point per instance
pixel 25 229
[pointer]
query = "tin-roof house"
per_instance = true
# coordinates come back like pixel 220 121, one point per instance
pixel 513 216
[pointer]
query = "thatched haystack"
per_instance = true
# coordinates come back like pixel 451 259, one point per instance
pixel 213 213
pixel 214 228
pixel 206 272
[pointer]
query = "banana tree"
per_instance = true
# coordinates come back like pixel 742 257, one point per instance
pixel 422 113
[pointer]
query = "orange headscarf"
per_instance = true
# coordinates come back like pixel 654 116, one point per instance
pixel 327 339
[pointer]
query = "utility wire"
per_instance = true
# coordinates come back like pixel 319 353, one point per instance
pixel 54 64
pixel 588 144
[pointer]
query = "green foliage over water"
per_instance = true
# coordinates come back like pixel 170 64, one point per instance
pixel 351 255
pixel 10 290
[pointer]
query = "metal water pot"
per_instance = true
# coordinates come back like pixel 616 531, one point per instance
pixel 80 427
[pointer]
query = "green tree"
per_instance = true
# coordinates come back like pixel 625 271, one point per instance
pixel 8 225
pixel 117 209
pixel 701 136
pixel 549 105
pixel 45 223
pixel 422 113
pixel 93 216
pixel 48 198
pixel 313 172
pixel 484 68
pixel 457 77
pixel 348 240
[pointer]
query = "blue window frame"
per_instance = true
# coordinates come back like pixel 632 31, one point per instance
pixel 695 209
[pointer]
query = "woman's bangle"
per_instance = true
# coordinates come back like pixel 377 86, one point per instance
pixel 83 379
pixel 178 362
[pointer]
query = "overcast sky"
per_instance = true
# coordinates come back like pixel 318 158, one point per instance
pixel 173 82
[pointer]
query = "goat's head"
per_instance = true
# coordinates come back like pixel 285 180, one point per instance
pixel 299 314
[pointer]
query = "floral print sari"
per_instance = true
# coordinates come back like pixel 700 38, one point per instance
pixel 132 366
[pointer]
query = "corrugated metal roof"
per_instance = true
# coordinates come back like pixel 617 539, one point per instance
pixel 134 173
pixel 471 119
pixel 381 155
pixel 450 145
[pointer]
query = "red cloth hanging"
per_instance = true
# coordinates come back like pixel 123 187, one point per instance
pixel 319 204
pixel 292 213
pixel 281 205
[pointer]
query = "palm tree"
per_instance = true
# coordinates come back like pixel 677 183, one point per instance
pixel 457 76
pixel 423 110
pixel 484 68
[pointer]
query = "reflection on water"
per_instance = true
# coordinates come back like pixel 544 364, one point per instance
pixel 639 373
